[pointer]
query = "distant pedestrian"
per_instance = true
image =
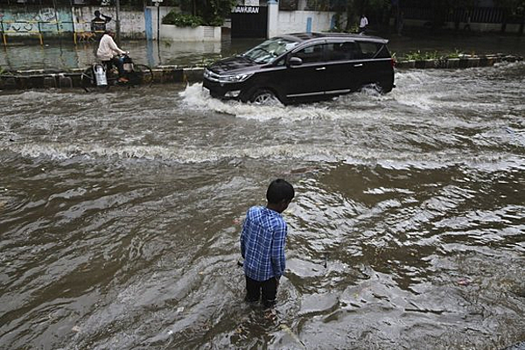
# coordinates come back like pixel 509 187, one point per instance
pixel 363 23
pixel 467 23
pixel 263 239
pixel 399 24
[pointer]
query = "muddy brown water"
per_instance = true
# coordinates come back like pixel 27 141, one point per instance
pixel 119 217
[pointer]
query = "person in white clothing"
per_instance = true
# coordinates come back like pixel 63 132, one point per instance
pixel 363 23
pixel 108 52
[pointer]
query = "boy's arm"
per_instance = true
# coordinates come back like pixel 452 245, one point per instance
pixel 243 237
pixel 278 257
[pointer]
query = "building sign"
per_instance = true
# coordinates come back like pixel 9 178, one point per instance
pixel 246 9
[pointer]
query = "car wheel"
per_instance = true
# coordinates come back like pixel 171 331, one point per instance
pixel 386 88
pixel 373 87
pixel 264 97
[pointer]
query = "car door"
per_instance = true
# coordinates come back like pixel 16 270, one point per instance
pixel 376 63
pixel 308 79
pixel 340 67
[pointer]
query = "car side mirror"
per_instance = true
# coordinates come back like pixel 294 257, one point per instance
pixel 295 61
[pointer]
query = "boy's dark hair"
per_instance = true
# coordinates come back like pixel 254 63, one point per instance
pixel 279 190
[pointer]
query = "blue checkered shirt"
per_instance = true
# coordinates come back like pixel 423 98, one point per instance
pixel 263 239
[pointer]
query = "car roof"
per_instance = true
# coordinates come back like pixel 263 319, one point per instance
pixel 301 37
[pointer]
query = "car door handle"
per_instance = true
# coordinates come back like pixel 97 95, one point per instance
pixel 358 65
pixel 321 68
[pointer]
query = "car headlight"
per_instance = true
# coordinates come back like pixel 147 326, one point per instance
pixel 238 78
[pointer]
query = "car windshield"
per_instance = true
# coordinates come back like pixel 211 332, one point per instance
pixel 269 50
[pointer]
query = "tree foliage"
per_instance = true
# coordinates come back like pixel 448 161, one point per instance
pixel 182 20
pixel 442 10
pixel 510 4
pixel 378 9
pixel 212 12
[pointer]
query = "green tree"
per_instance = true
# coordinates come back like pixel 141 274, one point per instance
pixel 351 15
pixel 378 9
pixel 512 8
pixel 212 12
pixel 355 8
pixel 444 10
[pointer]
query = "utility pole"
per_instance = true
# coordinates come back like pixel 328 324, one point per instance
pixel 157 4
pixel 117 24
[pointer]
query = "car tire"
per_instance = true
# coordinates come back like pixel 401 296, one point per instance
pixel 264 97
pixel 377 87
pixel 385 87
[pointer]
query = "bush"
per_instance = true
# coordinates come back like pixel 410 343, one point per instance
pixel 455 54
pixel 212 12
pixel 434 55
pixel 420 56
pixel 216 22
pixel 181 20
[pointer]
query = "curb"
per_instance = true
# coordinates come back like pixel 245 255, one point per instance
pixel 42 79
pixel 459 62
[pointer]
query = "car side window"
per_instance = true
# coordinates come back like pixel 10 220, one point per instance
pixel 368 50
pixel 341 51
pixel 311 54
pixel 383 52
pixel 280 62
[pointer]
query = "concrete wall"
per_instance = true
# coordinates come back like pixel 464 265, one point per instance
pixel 201 33
pixel 132 23
pixel 50 22
pixel 281 22
pixel 19 22
pixel 153 18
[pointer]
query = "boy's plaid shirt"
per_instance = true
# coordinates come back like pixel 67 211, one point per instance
pixel 263 239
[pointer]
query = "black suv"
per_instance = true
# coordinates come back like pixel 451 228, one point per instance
pixel 304 66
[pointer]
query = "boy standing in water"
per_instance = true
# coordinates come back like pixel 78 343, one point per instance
pixel 263 239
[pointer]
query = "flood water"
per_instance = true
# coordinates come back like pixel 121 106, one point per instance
pixel 120 217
